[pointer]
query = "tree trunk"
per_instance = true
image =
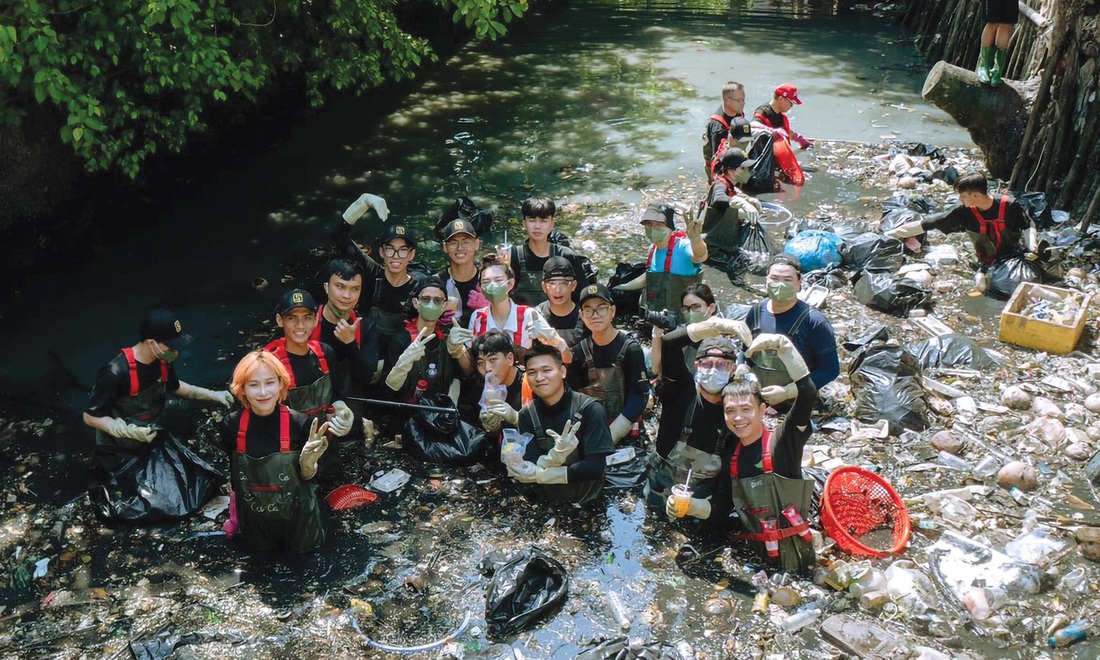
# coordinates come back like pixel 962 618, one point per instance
pixel 995 116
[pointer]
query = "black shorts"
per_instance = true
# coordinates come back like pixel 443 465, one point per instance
pixel 1001 11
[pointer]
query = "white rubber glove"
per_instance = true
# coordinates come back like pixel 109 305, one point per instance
pixel 503 411
pixel 341 420
pixel 365 203
pixel 395 379
pixel 489 421
pixel 907 230
pixel 457 340
pixel 224 397
pixel 733 327
pixel 749 213
pixel 313 450
pixel 553 475
pixel 120 428
pixel 697 508
pixel 539 328
pixel 704 329
pixel 785 350
pixel 524 472
pixel 564 444
pixel 620 428
pixel 775 394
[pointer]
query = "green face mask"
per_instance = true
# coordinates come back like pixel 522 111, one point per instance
pixel 695 317
pixel 495 291
pixel 657 234
pixel 430 311
pixel 168 356
pixel 781 292
pixel 743 176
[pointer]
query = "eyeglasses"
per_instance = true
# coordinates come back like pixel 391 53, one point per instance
pixel 714 364
pixel 400 252
pixel 465 244
pixel 693 308
pixel 433 299
pixel 592 312
pixel 558 284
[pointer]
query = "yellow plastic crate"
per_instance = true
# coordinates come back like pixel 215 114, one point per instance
pixel 1048 335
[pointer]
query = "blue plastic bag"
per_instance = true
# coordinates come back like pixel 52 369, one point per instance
pixel 816 250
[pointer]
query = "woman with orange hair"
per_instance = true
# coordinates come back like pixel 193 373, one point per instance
pixel 273 453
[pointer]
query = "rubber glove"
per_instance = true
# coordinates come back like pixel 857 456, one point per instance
pixel 313 449
pixel 524 472
pixel 802 141
pixel 365 203
pixel 697 508
pixel 749 213
pixel 489 421
pixel 342 419
pixel 620 428
pixel 395 380
pixel 504 412
pixel 786 351
pixel 564 444
pixel 457 340
pixel 553 475
pixel 539 328
pixel 780 134
pixel 775 394
pixel 907 230
pixel 120 428
pixel 224 397
pixel 733 327
pixel 703 330
pixel 1031 256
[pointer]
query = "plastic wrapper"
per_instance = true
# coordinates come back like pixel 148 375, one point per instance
pixel 527 587
pixel 1037 208
pixel 441 437
pixel 873 252
pixel 622 648
pixel 816 250
pixel 1007 273
pixel 953 351
pixel 886 383
pixel 889 293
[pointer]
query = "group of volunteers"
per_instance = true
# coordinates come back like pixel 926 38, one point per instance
pixel 526 349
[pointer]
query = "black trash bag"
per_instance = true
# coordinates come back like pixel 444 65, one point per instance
pixel 622 648
pixel 949 175
pixel 1006 274
pixel 913 202
pixel 465 209
pixel 1037 207
pixel 953 351
pixel 627 303
pixel 849 229
pixel 873 252
pixel 757 248
pixel 628 475
pixel 886 383
pixel 921 149
pixel 591 271
pixel 890 293
pixel 559 238
pixel 441 437
pixel 763 169
pixel 166 482
pixel 165 643
pixel 527 587
pixel 831 278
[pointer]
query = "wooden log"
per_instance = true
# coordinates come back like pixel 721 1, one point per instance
pixel 1090 212
pixel 1034 121
pixel 1038 19
pixel 995 116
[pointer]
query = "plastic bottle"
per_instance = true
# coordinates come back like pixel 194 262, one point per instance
pixel 953 462
pixel 421 386
pixel 800 620
pixel 1071 634
pixel 433 375
pixel 623 616
pixel 771 545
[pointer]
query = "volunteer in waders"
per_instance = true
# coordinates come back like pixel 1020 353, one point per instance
pixel 352 337
pixel 496 364
pixel 565 460
pixel 783 313
pixel 124 408
pixel 312 389
pixel 692 435
pixel 674 362
pixel 273 455
pixel 559 283
pixel 997 226
pixel 762 482
pixel 718 124
pixel 419 353
pixel 675 259
pixel 772 117
pixel 527 260
pixel 610 364
pixel 727 206
pixel 461 277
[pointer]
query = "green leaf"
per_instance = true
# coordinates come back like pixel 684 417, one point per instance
pixel 78 133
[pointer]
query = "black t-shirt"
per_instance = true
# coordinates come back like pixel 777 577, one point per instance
pixel 707 425
pixel 594 441
pixel 533 263
pixel 262 437
pixel 362 357
pixel 113 383
pixel 961 218
pixel 635 379
pixel 436 351
pixel 571 321
pixel 515 390
pixel 377 290
pixel 677 379
pixel 307 369
pixel 715 131
pixel 773 117
pixel 720 194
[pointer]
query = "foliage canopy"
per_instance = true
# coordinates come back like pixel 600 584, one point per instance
pixel 134 76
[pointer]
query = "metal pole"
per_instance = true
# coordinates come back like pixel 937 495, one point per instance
pixel 399 404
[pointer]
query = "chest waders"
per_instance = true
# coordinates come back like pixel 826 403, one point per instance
pixel 528 289
pixel 606 384
pixel 989 240
pixel 705 466
pixel 767 366
pixel 443 364
pixel 388 323
pixel 573 492
pixel 774 502
pixel 722 228
pixel 277 510
pixel 664 290
pixel 314 400
pixel 141 407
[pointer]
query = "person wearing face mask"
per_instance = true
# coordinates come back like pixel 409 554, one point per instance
pixel 527 259
pixel 761 468
pixel 419 351
pixel 673 352
pixel 812 334
pixel 124 408
pixel 727 207
pixel 691 435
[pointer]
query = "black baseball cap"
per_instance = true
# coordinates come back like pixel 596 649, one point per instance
pixel 720 346
pixel 658 212
pixel 596 291
pixel 294 299
pixel 558 267
pixel 397 231
pixel 787 259
pixel 732 158
pixel 163 326
pixel 740 128
pixel 455 227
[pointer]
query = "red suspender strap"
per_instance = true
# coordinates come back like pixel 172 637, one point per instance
pixel 766 438
pixel 284 429
pixel 993 226
pixel 164 371
pixel 676 236
pixel 721 120
pixel 242 430
pixel 278 349
pixel 763 120
pixel 316 334
pixel 315 346
pixel 131 364
pixel 520 311
pixel 649 259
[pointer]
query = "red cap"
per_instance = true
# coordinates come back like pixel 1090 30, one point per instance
pixel 789 92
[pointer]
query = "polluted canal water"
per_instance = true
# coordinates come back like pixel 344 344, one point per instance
pixel 600 106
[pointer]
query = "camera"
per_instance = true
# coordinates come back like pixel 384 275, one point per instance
pixel 663 319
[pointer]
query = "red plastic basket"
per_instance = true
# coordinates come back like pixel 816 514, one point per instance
pixel 350 496
pixel 858 502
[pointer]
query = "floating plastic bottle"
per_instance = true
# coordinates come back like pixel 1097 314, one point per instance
pixel 800 619
pixel 623 616
pixel 1071 634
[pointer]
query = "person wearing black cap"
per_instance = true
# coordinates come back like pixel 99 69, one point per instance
pixel 418 353
pixel 726 125
pixel 610 364
pixel 565 460
pixel 559 283
pixel 129 394
pixel 461 276
pixel 692 437
pixel 727 206
pixel 527 259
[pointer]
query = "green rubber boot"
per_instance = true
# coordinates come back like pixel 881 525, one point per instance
pixel 1000 58
pixel 985 60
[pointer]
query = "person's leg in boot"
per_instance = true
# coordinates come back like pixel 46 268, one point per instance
pixel 985 60
pixel 1000 55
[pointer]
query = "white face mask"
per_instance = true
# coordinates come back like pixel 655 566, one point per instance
pixel 712 380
